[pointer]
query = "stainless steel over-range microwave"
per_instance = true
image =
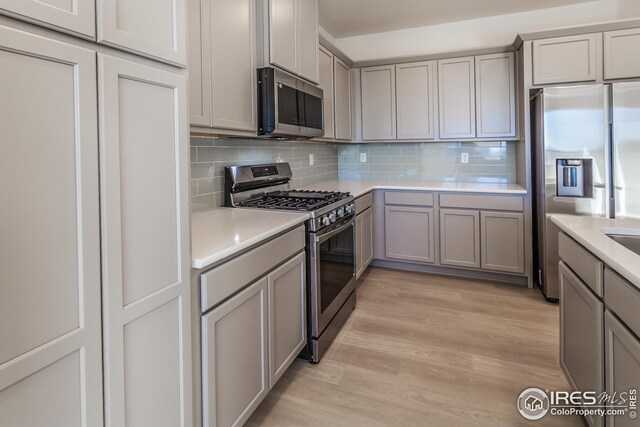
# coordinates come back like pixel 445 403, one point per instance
pixel 288 107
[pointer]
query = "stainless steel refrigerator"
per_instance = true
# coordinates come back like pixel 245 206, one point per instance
pixel 586 156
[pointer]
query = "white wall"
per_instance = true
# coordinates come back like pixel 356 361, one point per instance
pixel 483 32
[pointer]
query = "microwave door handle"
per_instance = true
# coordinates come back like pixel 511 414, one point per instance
pixel 323 237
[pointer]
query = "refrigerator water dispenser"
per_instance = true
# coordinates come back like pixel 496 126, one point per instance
pixel 574 178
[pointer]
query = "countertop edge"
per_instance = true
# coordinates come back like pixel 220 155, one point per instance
pixel 623 271
pixel 202 263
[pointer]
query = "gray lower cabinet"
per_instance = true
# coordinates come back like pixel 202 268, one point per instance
pixel 622 365
pixel 460 238
pixel 502 241
pixel 364 240
pixel 409 233
pixel 581 335
pixel 287 315
pixel 235 357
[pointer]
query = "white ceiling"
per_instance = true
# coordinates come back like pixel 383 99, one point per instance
pixel 345 18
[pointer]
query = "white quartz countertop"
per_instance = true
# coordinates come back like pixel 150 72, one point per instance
pixel 359 187
pixel 590 233
pixel 219 233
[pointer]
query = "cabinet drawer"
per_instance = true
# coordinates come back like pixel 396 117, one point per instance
pixel 223 281
pixel 413 198
pixel 475 201
pixel 363 203
pixel 587 266
pixel 623 299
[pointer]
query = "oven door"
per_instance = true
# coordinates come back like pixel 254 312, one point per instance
pixel 333 272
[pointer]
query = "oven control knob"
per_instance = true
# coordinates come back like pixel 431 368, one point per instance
pixel 326 221
pixel 353 207
pixel 332 216
pixel 348 208
pixel 341 213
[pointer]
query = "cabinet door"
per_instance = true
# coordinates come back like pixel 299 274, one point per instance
pixel 415 93
pixel 287 315
pixel 367 238
pixel 283 37
pixel 456 95
pixel 199 37
pixel 233 65
pixel 50 332
pixel 619 61
pixel 378 102
pixel 622 365
pixel 581 335
pixel 495 96
pixel 565 59
pixel 73 16
pixel 460 238
pixel 145 244
pixel 235 358
pixel 146 27
pixel 307 45
pixel 325 62
pixel 409 233
pixel 502 237
pixel 342 93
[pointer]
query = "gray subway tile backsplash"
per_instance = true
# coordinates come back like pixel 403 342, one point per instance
pixel 490 162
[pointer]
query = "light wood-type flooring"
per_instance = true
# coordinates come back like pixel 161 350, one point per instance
pixel 426 350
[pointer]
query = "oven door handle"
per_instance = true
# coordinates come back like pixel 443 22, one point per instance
pixel 323 237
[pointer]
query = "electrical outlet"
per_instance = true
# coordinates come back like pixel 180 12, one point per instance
pixel 464 157
pixel 312 160
pixel 363 157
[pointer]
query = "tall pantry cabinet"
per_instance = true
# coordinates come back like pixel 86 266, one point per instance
pixel 95 264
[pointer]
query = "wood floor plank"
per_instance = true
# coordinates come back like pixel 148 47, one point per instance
pixel 426 350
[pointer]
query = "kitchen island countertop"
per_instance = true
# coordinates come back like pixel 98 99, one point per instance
pixel 590 233
pixel 219 233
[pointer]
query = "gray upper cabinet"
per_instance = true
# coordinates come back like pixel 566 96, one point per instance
pixel 76 17
pixel 456 95
pixel 460 238
pixel 416 100
pixel 566 59
pixel 145 244
pixel 409 233
pixel 495 96
pixel 291 36
pixel 199 61
pixel 342 99
pixel 622 365
pixel 502 238
pixel 222 80
pixel 287 315
pixel 283 49
pixel 235 357
pixel 307 43
pixel 620 60
pixel 325 74
pixel 146 27
pixel 233 65
pixel 581 336
pixel 378 87
pixel 50 351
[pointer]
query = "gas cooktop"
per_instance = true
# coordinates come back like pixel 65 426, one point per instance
pixel 301 200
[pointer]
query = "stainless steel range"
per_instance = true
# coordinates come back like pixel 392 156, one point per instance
pixel 330 243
